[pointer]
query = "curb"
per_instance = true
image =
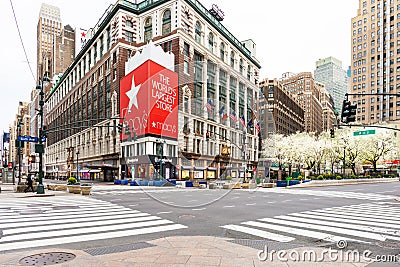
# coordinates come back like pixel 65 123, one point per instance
pixel 328 183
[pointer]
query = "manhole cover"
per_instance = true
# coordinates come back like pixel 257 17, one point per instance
pixel 43 259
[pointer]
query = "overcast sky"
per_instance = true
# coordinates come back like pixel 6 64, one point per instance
pixel 290 36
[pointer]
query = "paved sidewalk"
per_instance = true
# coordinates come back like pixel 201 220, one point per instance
pixel 177 251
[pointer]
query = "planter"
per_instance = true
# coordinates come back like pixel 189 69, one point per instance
pixel 294 182
pixel 75 189
pixel 57 187
pixel 281 183
pixel 85 189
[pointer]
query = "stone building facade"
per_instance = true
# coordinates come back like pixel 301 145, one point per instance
pixel 212 66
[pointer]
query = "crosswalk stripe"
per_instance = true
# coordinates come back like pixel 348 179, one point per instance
pixel 80 224
pixel 339 194
pixel 327 228
pixel 66 216
pixel 259 233
pixel 373 209
pixel 60 220
pixel 355 220
pixel 364 214
pixel 90 228
pixel 57 224
pixel 360 222
pixel 353 216
pixel 88 237
pixel 337 224
pixel 300 232
pixel 63 211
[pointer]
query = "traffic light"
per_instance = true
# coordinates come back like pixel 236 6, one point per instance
pixel 332 133
pixel 119 126
pixel 349 112
pixel 31 159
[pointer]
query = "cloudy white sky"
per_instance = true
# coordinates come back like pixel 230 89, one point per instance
pixel 290 36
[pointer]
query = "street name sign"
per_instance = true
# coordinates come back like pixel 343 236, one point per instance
pixel 365 132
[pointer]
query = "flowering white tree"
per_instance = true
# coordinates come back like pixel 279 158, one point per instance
pixel 376 147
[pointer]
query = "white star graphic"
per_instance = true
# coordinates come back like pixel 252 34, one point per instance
pixel 153 124
pixel 132 94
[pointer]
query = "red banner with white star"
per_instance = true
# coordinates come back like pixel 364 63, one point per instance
pixel 149 101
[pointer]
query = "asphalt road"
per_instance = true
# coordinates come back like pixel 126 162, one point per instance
pixel 361 215
pixel 204 212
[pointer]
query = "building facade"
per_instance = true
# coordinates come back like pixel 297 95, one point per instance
pixel 280 112
pixel 20 127
pixel 328 111
pixel 56 43
pixel 213 68
pixel 375 62
pixel 303 87
pixel 329 72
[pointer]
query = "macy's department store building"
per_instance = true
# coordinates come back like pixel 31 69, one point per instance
pixel 165 130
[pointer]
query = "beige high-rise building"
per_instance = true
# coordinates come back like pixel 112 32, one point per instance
pixel 303 87
pixel 327 102
pixel 375 60
pixel 55 43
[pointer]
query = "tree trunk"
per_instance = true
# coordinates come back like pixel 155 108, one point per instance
pixel 374 164
pixel 353 168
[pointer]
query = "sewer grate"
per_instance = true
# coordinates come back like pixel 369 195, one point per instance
pixel 117 248
pixel 44 259
pixel 260 244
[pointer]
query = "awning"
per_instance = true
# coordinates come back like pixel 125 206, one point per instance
pixel 211 168
pixel 186 167
pixel 199 168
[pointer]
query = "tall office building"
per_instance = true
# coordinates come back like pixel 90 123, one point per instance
pixel 217 86
pixel 55 53
pixel 329 72
pixel 55 43
pixel 375 61
pixel 280 111
pixel 328 114
pixel 303 87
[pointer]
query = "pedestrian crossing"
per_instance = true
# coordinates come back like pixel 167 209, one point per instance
pixel 330 193
pixel 33 222
pixel 125 190
pixel 364 223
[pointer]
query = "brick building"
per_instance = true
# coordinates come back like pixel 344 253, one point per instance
pixel 280 112
pixel 303 87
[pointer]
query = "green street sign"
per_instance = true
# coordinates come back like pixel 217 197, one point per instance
pixel 365 132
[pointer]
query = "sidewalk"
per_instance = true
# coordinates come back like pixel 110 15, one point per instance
pixel 174 251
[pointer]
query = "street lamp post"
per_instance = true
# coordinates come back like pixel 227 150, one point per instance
pixel 244 156
pixel 56 168
pixel 77 169
pixel 39 148
pixel 20 123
